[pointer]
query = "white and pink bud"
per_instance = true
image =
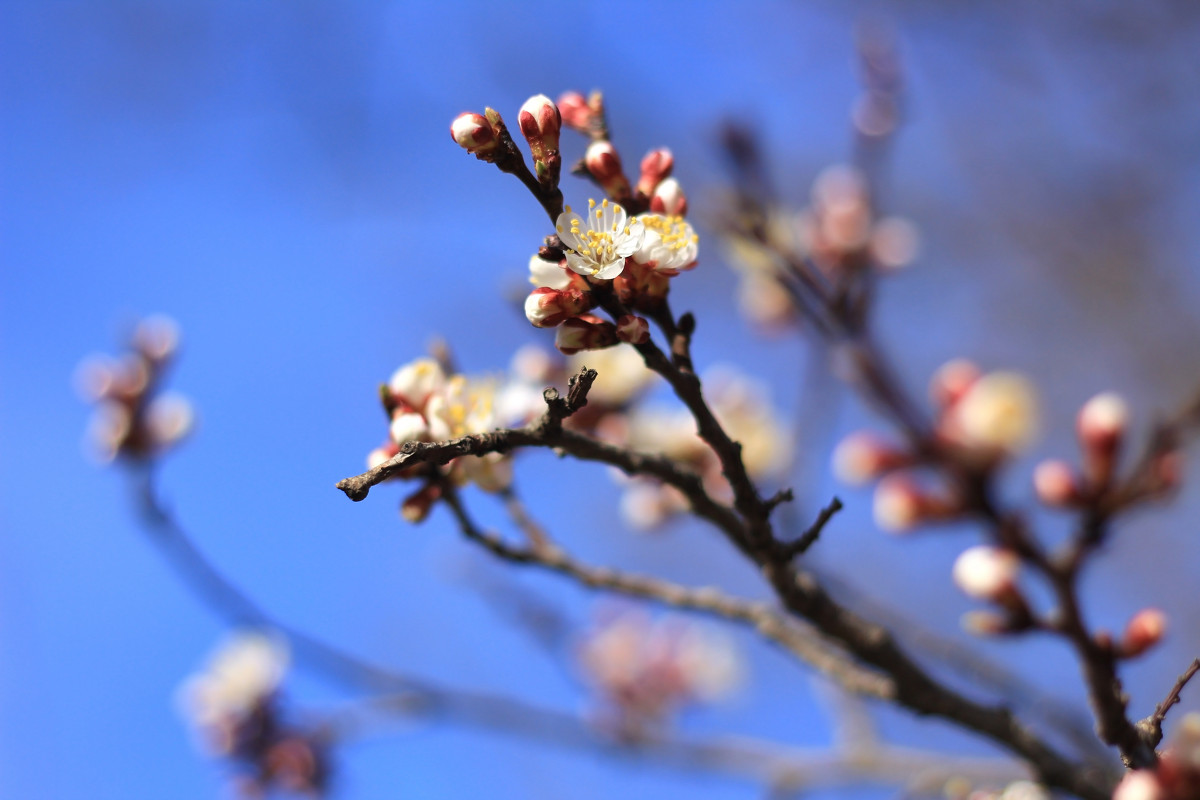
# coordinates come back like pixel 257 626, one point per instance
pixel 548 308
pixel 1144 630
pixel 987 573
pixel 475 134
pixel 381 455
pixel 416 506
pixel 169 418
pixel 997 413
pixel 864 456
pixel 633 329
pixel 1056 484
pixel 1101 426
pixel 576 112
pixel 901 505
pixel 540 122
pixel 668 199
pixel 604 165
pixel 407 426
pixel 1140 784
pixel 951 382
pixel 156 337
pixel 586 332
pixel 656 167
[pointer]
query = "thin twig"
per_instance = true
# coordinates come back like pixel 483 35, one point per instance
pixel 807 539
pixel 1151 727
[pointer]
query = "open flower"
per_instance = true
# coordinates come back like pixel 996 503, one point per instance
pixel 670 244
pixel 598 243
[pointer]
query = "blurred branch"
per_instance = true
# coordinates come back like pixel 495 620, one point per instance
pixel 1151 726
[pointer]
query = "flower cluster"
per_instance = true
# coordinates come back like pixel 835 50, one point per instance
pixel 132 419
pixel 424 404
pixel 980 419
pixel 234 705
pixel 646 670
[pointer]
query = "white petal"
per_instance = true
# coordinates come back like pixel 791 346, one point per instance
pixel 611 270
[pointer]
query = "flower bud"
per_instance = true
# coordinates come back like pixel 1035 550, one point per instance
pixel 1139 785
pixel 1055 483
pixel 417 505
pixel 156 337
pixel 1101 426
pixel 997 413
pixel 586 332
pixel 407 426
pixel 169 418
pixel 632 329
pixel 951 381
pixel 474 133
pixel 381 454
pixel 985 623
pixel 900 504
pixel 986 573
pixel 555 275
pixel 1144 630
pixel 656 166
pixel 641 287
pixel 604 165
pixel 547 308
pixel 864 456
pixel 669 199
pixel 540 122
pixel 575 111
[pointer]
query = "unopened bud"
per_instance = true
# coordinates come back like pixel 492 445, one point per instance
pixel 575 111
pixel 669 199
pixel 474 133
pixel 540 122
pixel 156 337
pixel 586 332
pixel 1139 785
pixel 997 413
pixel 985 623
pixel 604 165
pixel 1144 630
pixel 1101 426
pixel 864 456
pixel 951 382
pixel 417 505
pixel 1055 483
pixel 547 308
pixel 656 167
pixel 633 329
pixel 986 573
pixel 381 454
pixel 900 504
pixel 552 274
pixel 407 426
pixel 641 287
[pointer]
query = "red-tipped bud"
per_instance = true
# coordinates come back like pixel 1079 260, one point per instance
pixel 1056 484
pixel 586 332
pixel 669 199
pixel 900 504
pixel 864 456
pixel 634 330
pixel 1144 630
pixel 1101 427
pixel 547 308
pixel 474 133
pixel 417 505
pixel 951 382
pixel 604 165
pixel 540 122
pixel 656 167
pixel 986 573
pixel 575 111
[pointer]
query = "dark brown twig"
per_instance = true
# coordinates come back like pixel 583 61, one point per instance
pixel 1151 727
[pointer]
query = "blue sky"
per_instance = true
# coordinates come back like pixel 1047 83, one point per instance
pixel 278 177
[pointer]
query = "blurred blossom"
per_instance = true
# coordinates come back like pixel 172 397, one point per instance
pixel 998 414
pixel 621 375
pixel 645 670
pixel 242 675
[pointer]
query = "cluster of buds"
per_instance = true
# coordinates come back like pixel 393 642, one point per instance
pixel 644 670
pixel 1101 427
pixel 234 705
pixel 486 137
pixel 132 419
pixel 1177 776
pixel 740 406
pixel 980 419
pixel 424 404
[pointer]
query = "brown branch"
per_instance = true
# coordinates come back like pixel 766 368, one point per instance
pixel 807 539
pixel 1151 726
pixel 768 621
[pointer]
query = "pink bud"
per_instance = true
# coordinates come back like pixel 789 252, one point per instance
pixel 576 113
pixel 1055 483
pixel 986 573
pixel 656 167
pixel 474 133
pixel 632 329
pixel 899 504
pixel 951 382
pixel 586 332
pixel 604 165
pixel 669 199
pixel 1101 427
pixel 547 308
pixel 417 505
pixel 407 426
pixel 1139 785
pixel 1144 630
pixel 540 122
pixel 863 456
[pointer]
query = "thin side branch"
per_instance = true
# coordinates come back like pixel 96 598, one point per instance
pixel 1151 727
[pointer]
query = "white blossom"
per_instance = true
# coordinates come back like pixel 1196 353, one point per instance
pixel 599 242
